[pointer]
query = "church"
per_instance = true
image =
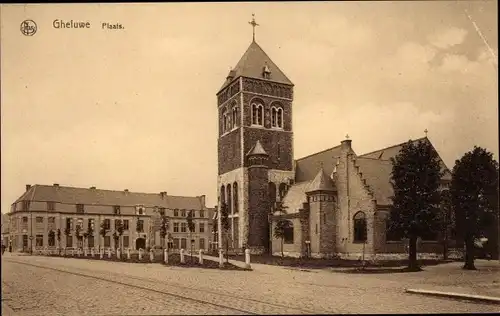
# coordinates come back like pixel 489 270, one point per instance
pixel 336 202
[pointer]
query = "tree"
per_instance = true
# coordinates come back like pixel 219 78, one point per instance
pixel 474 195
pixel 116 238
pixel 224 218
pixel 215 230
pixel 77 234
pixel 279 231
pixel 164 228
pixel 59 240
pixel 416 175
pixel 119 229
pixel 52 236
pixel 103 231
pixel 90 230
pixel 191 227
pixel 67 233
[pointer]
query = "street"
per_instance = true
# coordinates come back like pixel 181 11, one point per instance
pixel 35 285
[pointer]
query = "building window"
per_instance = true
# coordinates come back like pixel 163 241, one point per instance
pixel 79 223
pixel 202 227
pixel 257 114
pixel 360 228
pixel 176 243
pixel 288 233
pixel 69 241
pixel 52 238
pixel 126 242
pixel 224 120
pixel 39 241
pixel 140 225
pixel 80 208
pixel 107 241
pixel 202 243
pixel 39 220
pixel 183 227
pixel 51 206
pixel 26 205
pixel 90 241
pixel 183 243
pixel 235 115
pixel 176 212
pixel 25 241
pixel 125 224
pixel 116 209
pixel 162 211
pixel 51 220
pixel 117 221
pixel 140 210
pixel 176 227
pixel 91 224
pixel 69 223
pixel 183 213
pixel 107 223
pixel 202 213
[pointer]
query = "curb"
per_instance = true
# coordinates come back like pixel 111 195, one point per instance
pixel 470 297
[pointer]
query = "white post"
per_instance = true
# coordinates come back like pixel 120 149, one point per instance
pixel 128 253
pixel 201 256
pixel 85 253
pixel 118 253
pixel 101 253
pixel 109 253
pixel 165 255
pixel 221 258
pixel 140 253
pixel 183 260
pixel 247 258
pixel 92 252
pixel 151 255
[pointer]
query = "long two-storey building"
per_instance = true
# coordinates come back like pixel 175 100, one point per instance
pixel 68 217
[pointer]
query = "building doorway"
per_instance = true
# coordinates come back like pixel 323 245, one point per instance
pixel 140 243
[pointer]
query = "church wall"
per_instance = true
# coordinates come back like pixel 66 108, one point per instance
pixel 353 197
pixel 229 151
pixel 289 250
pixel 327 228
pixel 258 207
pixel 277 144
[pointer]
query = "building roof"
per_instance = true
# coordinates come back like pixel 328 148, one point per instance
pixel 377 174
pixel 296 197
pixel 72 195
pixel 321 182
pixel 306 168
pixel 252 63
pixel 257 149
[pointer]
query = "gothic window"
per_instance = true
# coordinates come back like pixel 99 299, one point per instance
pixel 273 116
pixel 235 197
pixel 229 201
pixel 228 121
pixel 257 114
pixel 288 233
pixel 360 227
pixel 279 118
pixel 235 115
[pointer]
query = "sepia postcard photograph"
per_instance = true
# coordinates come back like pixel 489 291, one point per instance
pixel 249 158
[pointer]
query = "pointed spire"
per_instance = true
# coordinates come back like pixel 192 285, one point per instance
pixel 257 149
pixel 321 182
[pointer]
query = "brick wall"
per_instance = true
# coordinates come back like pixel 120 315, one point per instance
pixel 277 144
pixel 229 151
pixel 258 207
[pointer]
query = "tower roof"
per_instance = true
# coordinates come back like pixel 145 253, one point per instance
pixel 252 65
pixel 321 183
pixel 257 149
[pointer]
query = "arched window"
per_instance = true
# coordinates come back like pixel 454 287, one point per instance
pixel 273 117
pixel 288 233
pixel 279 118
pixel 360 229
pixel 222 195
pixel 235 197
pixel 224 120
pixel 228 121
pixel 235 115
pixel 257 114
pixel 229 201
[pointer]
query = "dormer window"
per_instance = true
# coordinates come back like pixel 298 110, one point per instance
pixel 116 210
pixel 140 210
pixel 257 114
pixel 266 72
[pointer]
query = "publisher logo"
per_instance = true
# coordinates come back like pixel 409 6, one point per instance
pixel 28 27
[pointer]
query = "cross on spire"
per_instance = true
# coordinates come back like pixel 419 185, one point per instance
pixel 347 136
pixel 426 131
pixel 253 24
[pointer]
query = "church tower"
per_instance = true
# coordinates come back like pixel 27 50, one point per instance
pixel 255 114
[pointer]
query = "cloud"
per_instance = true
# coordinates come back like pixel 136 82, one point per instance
pixel 445 39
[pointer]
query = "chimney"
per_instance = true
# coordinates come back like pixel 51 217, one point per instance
pixel 56 184
pixel 28 186
pixel 163 194
pixel 202 199
pixel 126 190
pixel 345 145
pixel 92 188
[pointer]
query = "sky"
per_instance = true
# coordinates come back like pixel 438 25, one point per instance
pixel 136 108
